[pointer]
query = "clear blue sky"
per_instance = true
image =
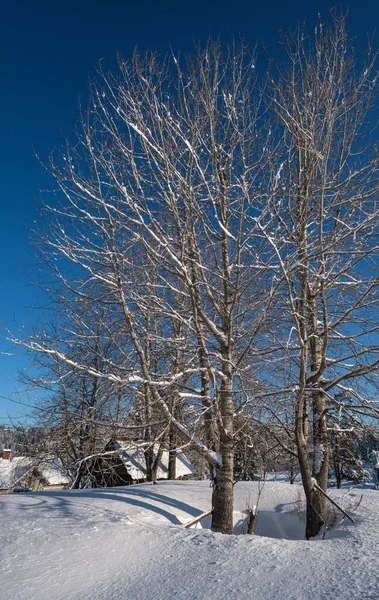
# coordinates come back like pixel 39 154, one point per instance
pixel 47 52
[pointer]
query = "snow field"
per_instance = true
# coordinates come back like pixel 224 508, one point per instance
pixel 129 544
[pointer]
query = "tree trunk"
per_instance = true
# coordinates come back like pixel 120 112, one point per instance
pixel 222 512
pixel 172 455
pixel 315 505
pixel 315 501
pixel 253 519
pixel 320 468
pixel 155 465
pixel 209 427
pixel 149 458
pixel 149 450
pixel 315 513
pixel 222 500
pixel 337 460
pixel 78 477
pixel 292 471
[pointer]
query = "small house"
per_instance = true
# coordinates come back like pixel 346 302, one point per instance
pixel 124 463
pixel 27 473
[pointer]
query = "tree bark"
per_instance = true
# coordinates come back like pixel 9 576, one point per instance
pixel 155 466
pixel 172 455
pixel 253 518
pixel 222 501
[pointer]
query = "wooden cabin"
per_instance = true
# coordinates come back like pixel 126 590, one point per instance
pixel 123 463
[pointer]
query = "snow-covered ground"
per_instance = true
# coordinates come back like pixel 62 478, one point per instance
pixel 129 544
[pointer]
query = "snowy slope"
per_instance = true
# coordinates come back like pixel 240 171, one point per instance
pixel 128 543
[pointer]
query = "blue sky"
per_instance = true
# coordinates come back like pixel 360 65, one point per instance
pixel 48 51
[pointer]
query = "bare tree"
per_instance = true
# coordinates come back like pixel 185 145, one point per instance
pixel 228 241
pixel 77 407
pixel 325 200
pixel 158 222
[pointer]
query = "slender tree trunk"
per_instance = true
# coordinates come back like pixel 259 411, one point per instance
pixel 149 451
pixel 208 412
pixel 337 460
pixel 292 471
pixel 155 466
pixel 209 425
pixel 172 455
pixel 79 476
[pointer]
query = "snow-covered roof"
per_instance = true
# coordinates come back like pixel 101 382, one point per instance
pixel 131 453
pixel 53 472
pixel 11 471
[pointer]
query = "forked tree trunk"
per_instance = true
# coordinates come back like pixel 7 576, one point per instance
pixel 314 508
pixel 315 501
pixel 316 513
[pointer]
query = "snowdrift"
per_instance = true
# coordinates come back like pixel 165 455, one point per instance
pixel 130 543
